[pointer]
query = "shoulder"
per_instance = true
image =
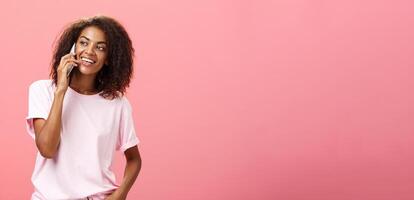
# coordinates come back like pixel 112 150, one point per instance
pixel 125 104
pixel 42 88
pixel 41 84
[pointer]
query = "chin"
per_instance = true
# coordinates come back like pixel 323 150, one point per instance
pixel 88 70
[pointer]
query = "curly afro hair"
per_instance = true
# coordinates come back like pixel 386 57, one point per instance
pixel 116 74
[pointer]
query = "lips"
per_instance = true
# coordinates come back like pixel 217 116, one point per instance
pixel 87 61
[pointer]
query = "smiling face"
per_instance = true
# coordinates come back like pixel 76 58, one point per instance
pixel 91 50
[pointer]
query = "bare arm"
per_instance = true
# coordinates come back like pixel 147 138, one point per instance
pixel 132 168
pixel 47 132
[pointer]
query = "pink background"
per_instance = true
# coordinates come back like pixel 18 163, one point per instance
pixel 246 100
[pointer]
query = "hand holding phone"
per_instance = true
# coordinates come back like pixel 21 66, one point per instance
pixel 66 64
pixel 72 51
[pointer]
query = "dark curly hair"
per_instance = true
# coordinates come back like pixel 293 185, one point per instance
pixel 116 74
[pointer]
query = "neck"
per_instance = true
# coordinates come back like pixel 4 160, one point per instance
pixel 84 84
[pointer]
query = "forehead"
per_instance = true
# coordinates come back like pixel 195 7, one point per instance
pixel 94 34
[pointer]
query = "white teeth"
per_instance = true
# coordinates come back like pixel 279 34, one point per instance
pixel 87 60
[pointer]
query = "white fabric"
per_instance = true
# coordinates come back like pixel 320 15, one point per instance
pixel 92 129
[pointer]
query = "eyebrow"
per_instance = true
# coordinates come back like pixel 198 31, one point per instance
pixel 99 42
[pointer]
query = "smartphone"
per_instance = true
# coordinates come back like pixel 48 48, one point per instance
pixel 72 51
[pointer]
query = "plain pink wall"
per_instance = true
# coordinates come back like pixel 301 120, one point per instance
pixel 243 100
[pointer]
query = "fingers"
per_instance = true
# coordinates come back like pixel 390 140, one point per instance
pixel 67 56
pixel 73 61
pixel 67 62
pixel 68 59
pixel 66 65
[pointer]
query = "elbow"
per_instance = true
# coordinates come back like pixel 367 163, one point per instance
pixel 47 154
pixel 46 150
pixel 137 162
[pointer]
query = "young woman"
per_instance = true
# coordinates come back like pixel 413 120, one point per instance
pixel 79 117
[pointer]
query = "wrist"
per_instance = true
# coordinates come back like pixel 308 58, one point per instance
pixel 119 194
pixel 60 91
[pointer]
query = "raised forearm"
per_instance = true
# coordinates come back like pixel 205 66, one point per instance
pixel 49 137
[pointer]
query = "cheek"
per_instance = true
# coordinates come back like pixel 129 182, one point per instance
pixel 102 57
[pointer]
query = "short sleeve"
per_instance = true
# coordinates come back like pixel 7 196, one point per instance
pixel 38 105
pixel 127 137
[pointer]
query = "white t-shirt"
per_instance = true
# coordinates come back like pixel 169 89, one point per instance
pixel 92 129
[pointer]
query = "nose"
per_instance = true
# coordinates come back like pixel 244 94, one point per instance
pixel 90 50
